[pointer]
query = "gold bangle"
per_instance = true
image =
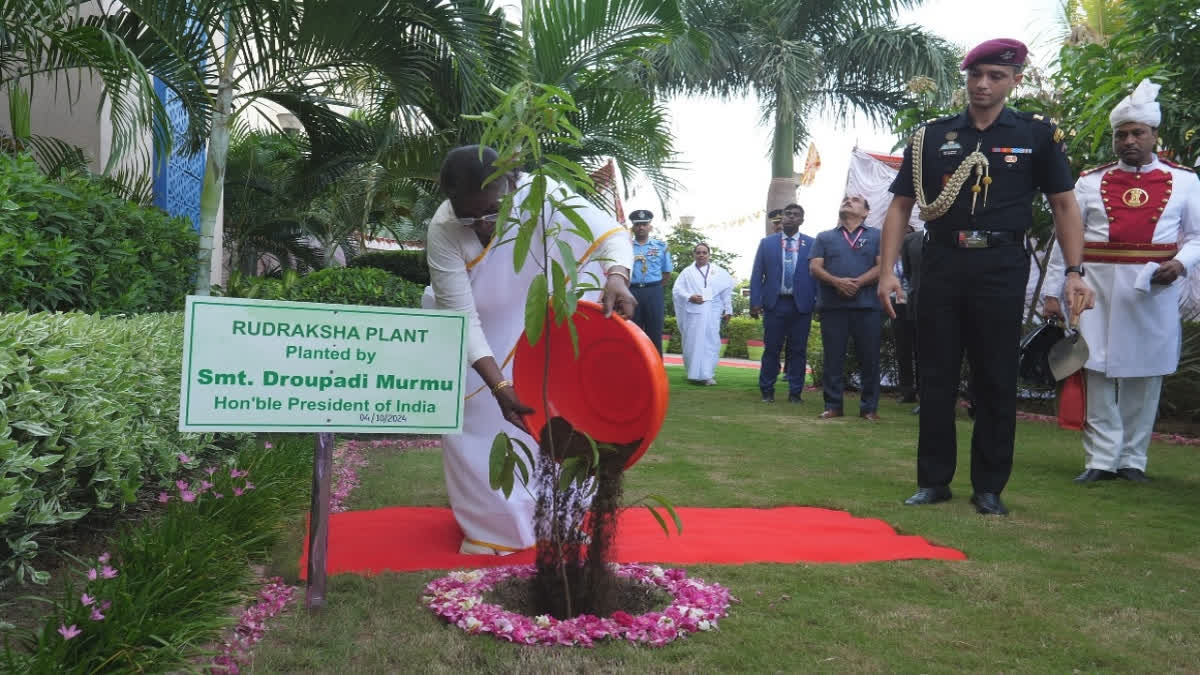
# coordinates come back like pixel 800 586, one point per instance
pixel 500 385
pixel 618 273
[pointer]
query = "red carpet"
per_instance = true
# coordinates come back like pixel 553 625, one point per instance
pixel 427 538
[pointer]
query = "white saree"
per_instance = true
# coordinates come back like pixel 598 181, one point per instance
pixel 700 324
pixel 493 296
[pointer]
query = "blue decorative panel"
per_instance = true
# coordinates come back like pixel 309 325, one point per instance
pixel 179 180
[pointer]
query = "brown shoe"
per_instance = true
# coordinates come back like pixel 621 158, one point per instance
pixel 830 414
pixel 873 417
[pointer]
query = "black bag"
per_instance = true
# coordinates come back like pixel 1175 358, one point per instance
pixel 1034 361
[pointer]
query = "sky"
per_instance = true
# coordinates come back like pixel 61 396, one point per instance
pixel 724 151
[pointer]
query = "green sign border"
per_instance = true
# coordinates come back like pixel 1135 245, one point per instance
pixel 194 301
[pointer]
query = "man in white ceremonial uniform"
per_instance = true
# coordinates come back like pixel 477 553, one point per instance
pixel 703 295
pixel 1142 238
pixel 470 272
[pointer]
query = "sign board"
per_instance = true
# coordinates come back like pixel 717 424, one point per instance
pixel 261 365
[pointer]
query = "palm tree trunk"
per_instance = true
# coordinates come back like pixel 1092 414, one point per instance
pixel 214 170
pixel 782 190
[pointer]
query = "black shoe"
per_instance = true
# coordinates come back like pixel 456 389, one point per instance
pixel 989 504
pixel 795 398
pixel 1135 475
pixel 1093 475
pixel 768 398
pixel 931 495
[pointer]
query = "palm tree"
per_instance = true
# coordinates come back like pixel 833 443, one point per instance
pixel 803 57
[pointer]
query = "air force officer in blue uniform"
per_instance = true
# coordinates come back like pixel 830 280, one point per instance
pixel 783 292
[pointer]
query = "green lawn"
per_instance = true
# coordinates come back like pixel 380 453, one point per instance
pixel 1077 579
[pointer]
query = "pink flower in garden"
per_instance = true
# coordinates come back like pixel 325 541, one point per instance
pixel 92 575
pixel 96 615
pixel 106 604
pixel 249 485
pixel 108 572
pixel 68 632
pixel 164 497
pixel 234 473
pixel 184 459
pixel 205 486
pixel 86 600
pixel 104 557
pixel 218 495
pixel 181 484
pixel 210 470
pixel 187 495
pixel 237 492
pixel 268 445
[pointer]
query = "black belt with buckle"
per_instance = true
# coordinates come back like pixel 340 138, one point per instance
pixel 648 285
pixel 976 238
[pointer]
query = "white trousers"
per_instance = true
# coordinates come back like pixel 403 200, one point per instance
pixel 1120 419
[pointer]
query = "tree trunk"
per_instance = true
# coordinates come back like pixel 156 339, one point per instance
pixel 214 170
pixel 782 190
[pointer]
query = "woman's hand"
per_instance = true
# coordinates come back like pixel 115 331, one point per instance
pixel 696 299
pixel 512 408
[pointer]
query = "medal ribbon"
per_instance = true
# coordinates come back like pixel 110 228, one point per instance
pixel 853 243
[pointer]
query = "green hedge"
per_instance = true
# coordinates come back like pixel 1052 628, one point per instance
pixel 88 413
pixel 71 245
pixel 738 330
pixel 409 265
pixel 338 285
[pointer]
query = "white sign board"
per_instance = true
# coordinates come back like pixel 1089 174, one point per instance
pixel 261 365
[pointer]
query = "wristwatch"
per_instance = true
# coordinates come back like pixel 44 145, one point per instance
pixel 1078 269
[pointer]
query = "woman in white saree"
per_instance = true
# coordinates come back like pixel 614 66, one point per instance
pixel 703 300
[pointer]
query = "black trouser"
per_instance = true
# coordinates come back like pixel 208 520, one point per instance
pixel 649 312
pixel 904 329
pixel 837 327
pixel 971 300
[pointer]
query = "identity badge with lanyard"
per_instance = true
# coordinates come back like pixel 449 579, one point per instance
pixel 706 293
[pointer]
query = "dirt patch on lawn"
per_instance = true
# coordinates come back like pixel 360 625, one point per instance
pixel 632 596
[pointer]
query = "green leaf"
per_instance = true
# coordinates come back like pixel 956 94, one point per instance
pixel 535 309
pixel 497 459
pixel 666 504
pixel 570 467
pixel 506 483
pixel 581 226
pixel 568 259
pixel 661 523
pixel 525 449
pixel 7 504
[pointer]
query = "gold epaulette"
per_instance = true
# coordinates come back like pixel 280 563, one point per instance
pixel 1176 165
pixel 1094 169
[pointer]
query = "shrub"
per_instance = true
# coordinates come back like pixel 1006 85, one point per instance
pixel 355 286
pixel 738 330
pixel 335 285
pixel 72 245
pixel 166 595
pixel 408 265
pixel 89 409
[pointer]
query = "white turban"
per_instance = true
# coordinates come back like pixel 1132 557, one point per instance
pixel 1140 106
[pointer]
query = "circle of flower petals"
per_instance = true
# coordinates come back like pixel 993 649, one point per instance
pixel 695 606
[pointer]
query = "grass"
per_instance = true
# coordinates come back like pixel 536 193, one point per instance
pixel 1077 579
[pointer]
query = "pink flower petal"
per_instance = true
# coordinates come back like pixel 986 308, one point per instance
pixel 96 615
pixel 181 484
pixel 104 557
pixel 68 632
pixel 92 574
pixel 187 495
pixel 184 459
pixel 108 572
pixel 164 497
pixel 210 470
pixel 86 600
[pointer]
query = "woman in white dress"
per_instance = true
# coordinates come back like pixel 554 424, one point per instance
pixel 471 272
pixel 703 300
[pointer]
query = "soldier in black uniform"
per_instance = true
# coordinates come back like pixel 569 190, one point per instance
pixel 980 170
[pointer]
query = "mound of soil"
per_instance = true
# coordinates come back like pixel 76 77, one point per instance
pixel 629 595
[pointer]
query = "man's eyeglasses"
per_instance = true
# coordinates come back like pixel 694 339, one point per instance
pixel 487 218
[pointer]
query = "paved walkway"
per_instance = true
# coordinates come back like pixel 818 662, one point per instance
pixel 677 360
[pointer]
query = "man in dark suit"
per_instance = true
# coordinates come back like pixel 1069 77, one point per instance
pixel 783 292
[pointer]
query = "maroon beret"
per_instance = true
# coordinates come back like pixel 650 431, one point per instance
pixel 998 52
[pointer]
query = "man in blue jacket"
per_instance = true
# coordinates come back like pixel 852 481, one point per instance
pixel 783 292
